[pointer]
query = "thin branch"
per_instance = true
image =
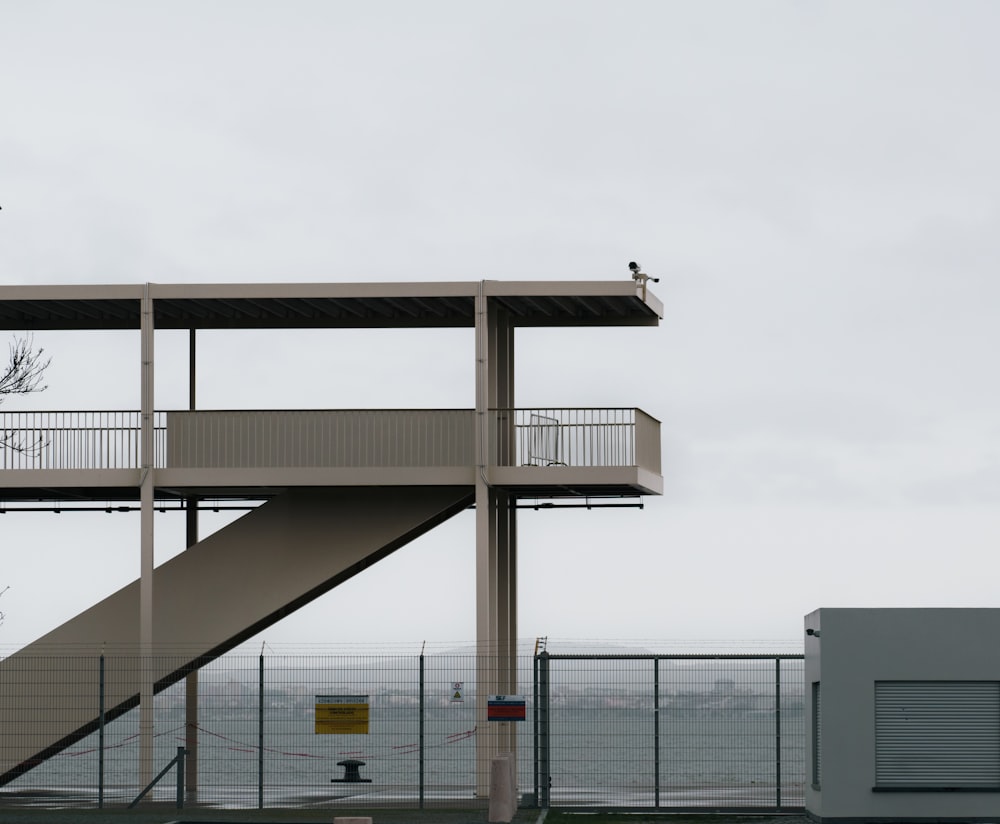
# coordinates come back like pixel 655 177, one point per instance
pixel 23 375
pixel 24 370
pixel 15 442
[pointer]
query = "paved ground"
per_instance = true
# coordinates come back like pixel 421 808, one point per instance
pixel 168 815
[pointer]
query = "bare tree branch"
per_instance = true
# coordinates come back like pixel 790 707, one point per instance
pixel 22 375
pixel 24 370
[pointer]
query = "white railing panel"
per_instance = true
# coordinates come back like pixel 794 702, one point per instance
pixel 72 440
pixel 320 438
pixel 565 437
pixel 238 439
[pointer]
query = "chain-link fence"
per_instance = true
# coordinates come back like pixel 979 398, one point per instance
pixel 358 730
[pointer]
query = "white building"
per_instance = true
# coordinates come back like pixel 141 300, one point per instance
pixel 903 715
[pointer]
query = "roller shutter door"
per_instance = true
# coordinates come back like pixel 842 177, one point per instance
pixel 937 734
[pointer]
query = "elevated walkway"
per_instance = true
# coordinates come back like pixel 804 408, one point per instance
pixel 208 599
pixel 255 454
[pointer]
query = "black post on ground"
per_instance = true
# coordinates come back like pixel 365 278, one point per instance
pixel 100 737
pixel 544 780
pixel 421 722
pixel 260 731
pixel 656 732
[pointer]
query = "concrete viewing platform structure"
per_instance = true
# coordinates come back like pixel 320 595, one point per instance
pixel 334 490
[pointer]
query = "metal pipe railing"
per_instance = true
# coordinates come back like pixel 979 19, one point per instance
pixel 563 436
pixel 93 439
pixel 547 436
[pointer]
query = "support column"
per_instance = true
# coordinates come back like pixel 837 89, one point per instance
pixel 496 534
pixel 191 538
pixel 146 494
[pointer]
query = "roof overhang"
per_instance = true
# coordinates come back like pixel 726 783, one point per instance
pixel 326 305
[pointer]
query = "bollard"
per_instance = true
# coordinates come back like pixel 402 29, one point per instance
pixel 352 772
pixel 503 789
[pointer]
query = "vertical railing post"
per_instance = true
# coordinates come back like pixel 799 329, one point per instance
pixel 100 738
pixel 260 732
pixel 656 732
pixel 421 734
pixel 544 778
pixel 777 733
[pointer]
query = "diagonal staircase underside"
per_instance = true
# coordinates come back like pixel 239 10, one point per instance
pixel 220 592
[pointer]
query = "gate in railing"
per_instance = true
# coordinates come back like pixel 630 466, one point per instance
pixel 672 732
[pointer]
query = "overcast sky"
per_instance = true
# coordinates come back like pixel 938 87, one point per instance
pixel 816 185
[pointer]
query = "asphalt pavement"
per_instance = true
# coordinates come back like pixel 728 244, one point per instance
pixel 156 814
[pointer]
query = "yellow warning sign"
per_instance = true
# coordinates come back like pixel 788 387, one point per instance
pixel 341 715
pixel 457 688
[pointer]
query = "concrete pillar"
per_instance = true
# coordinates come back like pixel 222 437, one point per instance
pixel 496 538
pixel 146 495
pixel 191 538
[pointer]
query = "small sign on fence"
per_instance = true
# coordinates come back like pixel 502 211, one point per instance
pixel 457 689
pixel 505 708
pixel 342 715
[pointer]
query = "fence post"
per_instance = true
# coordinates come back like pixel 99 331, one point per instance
pixel 656 732
pixel 421 735
pixel 100 738
pixel 777 733
pixel 181 752
pixel 542 713
pixel 260 731
pixel 534 722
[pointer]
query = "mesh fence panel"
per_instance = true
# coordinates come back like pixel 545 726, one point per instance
pixel 671 732
pixel 678 732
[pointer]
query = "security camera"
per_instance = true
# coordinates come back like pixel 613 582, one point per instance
pixel 638 275
pixel 812 631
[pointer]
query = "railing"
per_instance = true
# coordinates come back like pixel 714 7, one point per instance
pixel 576 437
pixel 236 439
pixel 322 437
pixel 73 440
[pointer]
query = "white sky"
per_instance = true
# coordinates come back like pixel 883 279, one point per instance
pixel 816 184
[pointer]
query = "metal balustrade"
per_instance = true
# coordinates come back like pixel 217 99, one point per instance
pixel 577 437
pixel 94 439
pixel 320 438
